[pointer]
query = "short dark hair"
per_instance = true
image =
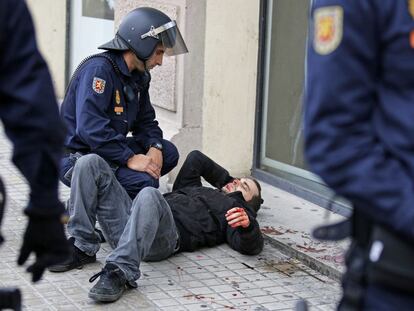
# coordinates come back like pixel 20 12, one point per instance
pixel 256 200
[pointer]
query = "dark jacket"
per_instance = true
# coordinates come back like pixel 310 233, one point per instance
pixel 199 212
pixel 29 110
pixel 359 106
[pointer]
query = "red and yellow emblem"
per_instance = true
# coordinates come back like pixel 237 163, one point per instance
pixel 98 85
pixel 328 28
pixel 118 110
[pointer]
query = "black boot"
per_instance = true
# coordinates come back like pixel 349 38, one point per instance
pixel 75 261
pixel 111 284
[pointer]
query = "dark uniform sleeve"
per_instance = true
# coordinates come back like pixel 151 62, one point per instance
pixel 346 84
pixel 198 165
pixel 146 130
pixel 93 120
pixel 29 110
pixel 248 241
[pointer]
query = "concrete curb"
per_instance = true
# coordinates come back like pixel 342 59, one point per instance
pixel 305 258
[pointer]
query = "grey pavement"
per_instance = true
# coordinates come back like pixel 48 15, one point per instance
pixel 213 278
pixel 287 222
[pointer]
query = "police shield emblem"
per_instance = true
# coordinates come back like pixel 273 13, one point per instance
pixel 98 85
pixel 328 27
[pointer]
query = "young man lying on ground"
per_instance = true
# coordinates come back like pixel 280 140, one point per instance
pixel 155 226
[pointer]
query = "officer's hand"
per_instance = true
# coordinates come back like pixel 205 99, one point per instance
pixel 46 239
pixel 236 217
pixel 143 163
pixel 156 156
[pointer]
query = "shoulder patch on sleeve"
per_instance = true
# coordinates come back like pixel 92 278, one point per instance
pixel 98 85
pixel 328 28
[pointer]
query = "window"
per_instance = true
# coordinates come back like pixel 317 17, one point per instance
pixel 91 24
pixel 280 137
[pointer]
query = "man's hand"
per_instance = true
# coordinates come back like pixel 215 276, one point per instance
pixel 156 156
pixel 144 163
pixel 46 239
pixel 236 217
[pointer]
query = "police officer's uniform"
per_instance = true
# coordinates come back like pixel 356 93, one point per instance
pixel 359 132
pixel 29 110
pixel 105 101
pixel 99 115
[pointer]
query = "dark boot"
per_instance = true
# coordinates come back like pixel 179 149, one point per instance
pixel 75 261
pixel 111 284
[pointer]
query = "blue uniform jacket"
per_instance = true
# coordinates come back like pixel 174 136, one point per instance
pixel 29 110
pixel 98 116
pixel 359 114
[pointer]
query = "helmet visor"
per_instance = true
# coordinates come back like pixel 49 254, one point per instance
pixel 170 36
pixel 173 42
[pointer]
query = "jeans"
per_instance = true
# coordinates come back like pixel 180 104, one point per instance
pixel 142 229
pixel 149 235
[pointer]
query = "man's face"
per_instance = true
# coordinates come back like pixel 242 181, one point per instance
pixel 245 185
pixel 156 57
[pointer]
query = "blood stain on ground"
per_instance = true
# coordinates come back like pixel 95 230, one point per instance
pixel 271 230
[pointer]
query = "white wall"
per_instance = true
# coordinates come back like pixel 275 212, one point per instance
pixel 49 17
pixel 231 54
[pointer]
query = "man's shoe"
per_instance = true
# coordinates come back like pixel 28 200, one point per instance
pixel 111 284
pixel 76 260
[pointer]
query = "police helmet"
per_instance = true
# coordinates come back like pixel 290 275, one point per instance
pixel 142 29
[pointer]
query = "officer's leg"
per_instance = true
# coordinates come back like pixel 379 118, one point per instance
pixel 150 233
pixel 96 194
pixel 65 165
pixel 353 283
pixel 133 181
pixel 170 156
pixel 169 153
pixel 378 298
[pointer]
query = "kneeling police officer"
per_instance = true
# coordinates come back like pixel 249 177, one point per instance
pixel 108 97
